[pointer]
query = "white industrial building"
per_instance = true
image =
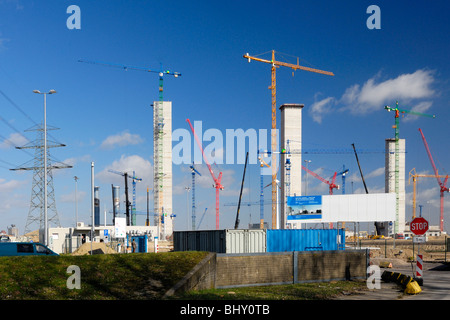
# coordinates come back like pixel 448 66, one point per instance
pixel 68 240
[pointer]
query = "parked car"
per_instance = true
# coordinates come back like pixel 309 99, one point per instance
pixel 25 249
pixel 4 238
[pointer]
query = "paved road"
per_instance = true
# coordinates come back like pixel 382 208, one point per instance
pixel 436 285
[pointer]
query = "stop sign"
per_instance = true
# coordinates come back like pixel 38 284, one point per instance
pixel 419 226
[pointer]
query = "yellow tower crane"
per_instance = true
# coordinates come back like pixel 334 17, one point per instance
pixel 414 176
pixel 276 64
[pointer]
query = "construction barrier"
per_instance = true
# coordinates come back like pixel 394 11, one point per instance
pixel 385 264
pixel 408 283
pixel 419 271
pixel 413 288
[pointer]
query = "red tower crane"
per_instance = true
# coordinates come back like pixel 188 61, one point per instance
pixel 442 185
pixel 331 184
pixel 217 181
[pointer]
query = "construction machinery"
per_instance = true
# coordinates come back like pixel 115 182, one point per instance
pixel 127 202
pixel 193 173
pixel 414 176
pixel 261 194
pixel 343 173
pixel 397 112
pixel 442 185
pixel 201 219
pixel 217 180
pixel 331 184
pixel 236 223
pixel 378 225
pixel 274 65
pixel 360 171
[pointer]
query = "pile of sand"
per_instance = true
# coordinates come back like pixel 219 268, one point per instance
pixel 97 248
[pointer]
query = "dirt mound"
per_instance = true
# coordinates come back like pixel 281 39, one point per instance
pixel 97 248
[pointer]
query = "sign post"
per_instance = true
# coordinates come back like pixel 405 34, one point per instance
pixel 419 226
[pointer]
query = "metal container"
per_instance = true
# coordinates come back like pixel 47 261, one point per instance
pixel 221 241
pixel 245 240
pixel 305 240
pixel 201 240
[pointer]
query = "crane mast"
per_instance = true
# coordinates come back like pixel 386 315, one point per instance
pixel 414 176
pixel 217 181
pixel 127 202
pixel 276 64
pixel 442 185
pixel 193 172
pixel 397 112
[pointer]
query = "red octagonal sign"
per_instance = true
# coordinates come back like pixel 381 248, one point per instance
pixel 419 226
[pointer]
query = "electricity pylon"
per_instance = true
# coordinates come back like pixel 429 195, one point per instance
pixel 36 211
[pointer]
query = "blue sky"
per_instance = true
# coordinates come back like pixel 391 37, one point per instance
pixel 405 60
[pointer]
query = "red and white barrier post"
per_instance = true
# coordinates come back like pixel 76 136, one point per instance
pixel 419 266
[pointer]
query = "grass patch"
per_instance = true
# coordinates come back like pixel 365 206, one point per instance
pixel 301 291
pixel 103 277
pixel 139 276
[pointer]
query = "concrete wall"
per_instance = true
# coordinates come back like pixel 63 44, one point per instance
pixel 235 270
pixel 332 265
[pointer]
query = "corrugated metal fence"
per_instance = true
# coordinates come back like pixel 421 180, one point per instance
pixel 257 240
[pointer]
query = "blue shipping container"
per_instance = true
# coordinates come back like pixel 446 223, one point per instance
pixel 305 240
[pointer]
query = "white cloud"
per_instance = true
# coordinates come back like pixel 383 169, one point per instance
pixel 319 109
pixel 10 186
pixel 373 95
pixel 421 107
pixel 10 198
pixel 72 161
pixel 122 139
pixel 14 139
pixel 375 173
pixel 141 167
pixel 3 42
pixel 70 198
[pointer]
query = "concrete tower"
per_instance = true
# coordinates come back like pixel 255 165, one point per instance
pixel 390 185
pixel 290 164
pixel 162 146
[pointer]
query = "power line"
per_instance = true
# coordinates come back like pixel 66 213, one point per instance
pixel 24 113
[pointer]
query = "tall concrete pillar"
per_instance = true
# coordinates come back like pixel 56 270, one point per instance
pixel 162 121
pixel 291 162
pixel 390 169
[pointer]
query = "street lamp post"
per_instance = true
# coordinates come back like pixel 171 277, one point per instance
pixel 306 189
pixel 76 201
pixel 45 163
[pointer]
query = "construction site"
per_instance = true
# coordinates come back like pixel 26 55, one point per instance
pixel 291 206
pixel 187 127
